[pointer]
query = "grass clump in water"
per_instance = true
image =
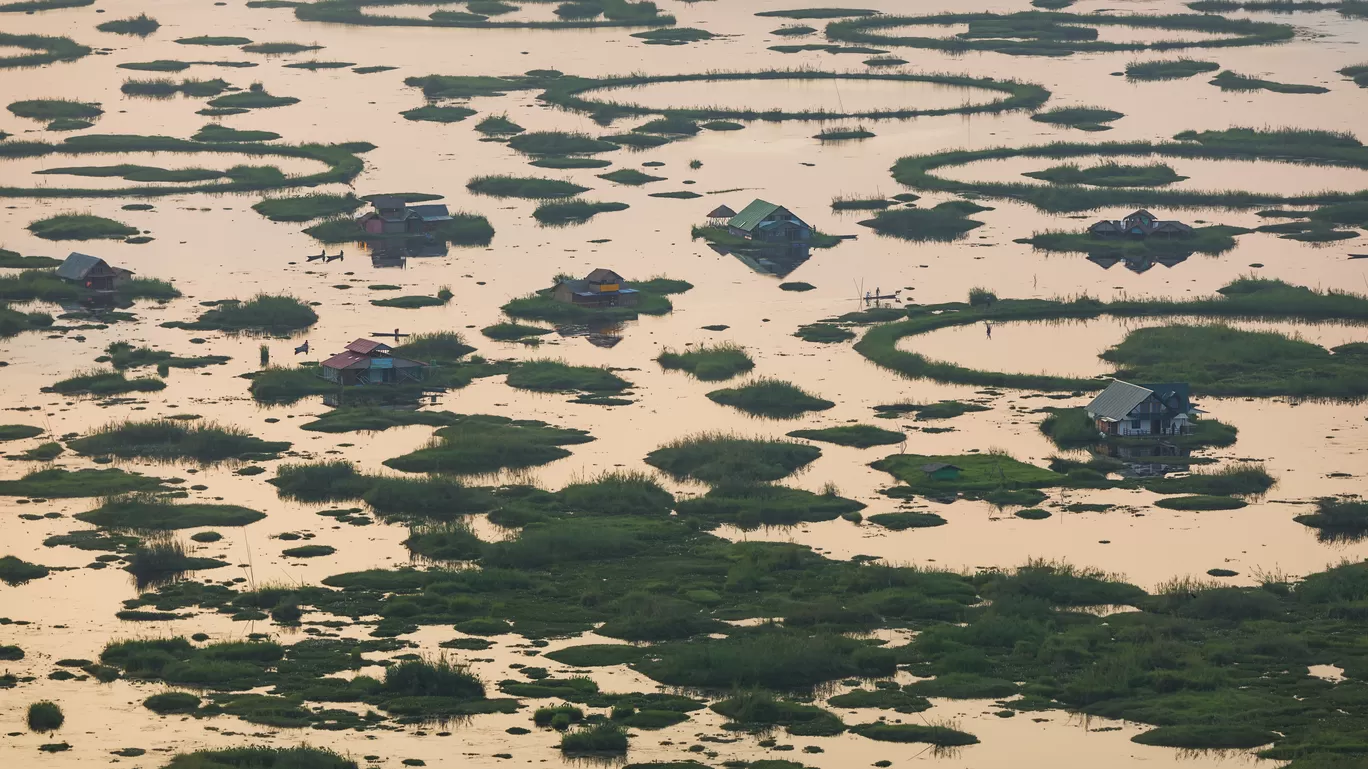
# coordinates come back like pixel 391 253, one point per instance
pixel 19 432
pixel 141 25
pixel 940 736
pixel 573 211
pixel 630 177
pixel 824 333
pixel 60 483
pixel 674 35
pixel 761 708
pixel 301 757
pixel 1168 69
pixel 168 439
pixel 709 363
pixel 263 313
pixel 255 97
pixel 513 332
pixel 105 383
pixel 926 411
pixel 1201 502
pixel 280 48
pixel 559 143
pixel 844 134
pixel 755 505
pixel 555 376
pixel 1234 81
pixel 220 40
pixel 720 458
pixel 480 443
pixel 857 436
pixel 432 113
pixel 168 703
pixel 531 187
pixel 599 739
pixel 1082 118
pixel 1244 479
pixel 303 208
pixel 1110 175
pixel 45 716
pixel 443 297
pixel 446 541
pixel 498 125
pixel 945 222
pixel 308 551
pixel 1338 518
pixel 145 512
pixel 80 227
pixel 770 398
pixel 435 346
pixel 16 571
pixel 53 109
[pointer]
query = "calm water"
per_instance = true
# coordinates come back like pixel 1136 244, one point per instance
pixel 216 247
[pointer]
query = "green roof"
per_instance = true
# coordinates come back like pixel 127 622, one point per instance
pixel 752 215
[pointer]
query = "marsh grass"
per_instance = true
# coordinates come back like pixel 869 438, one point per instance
pixel 559 143
pixel 446 541
pixel 1228 80
pixel 167 440
pixel 533 188
pixel 301 208
pixel 555 376
pixel 945 222
pixel 263 313
pixel 167 87
pixel 44 716
pixel 1082 118
pixel 44 50
pixel 60 483
pixel 709 363
pixel 1200 502
pixel 73 226
pixel 479 444
pixel 855 436
pixel 53 109
pixel 771 398
pixel 443 297
pixel 751 506
pixel 433 113
pixel 105 383
pixel 728 459
pixel 148 512
pixel 498 125
pixel 1168 69
pixel 1241 479
pixel 19 432
pixel 1337 518
pixel 513 332
pixel 435 347
pixel 844 134
pixel 598 739
pixel 573 211
pixel 15 571
pixel 1110 174
pixel 630 177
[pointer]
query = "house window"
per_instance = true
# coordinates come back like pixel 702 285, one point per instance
pixel 1135 424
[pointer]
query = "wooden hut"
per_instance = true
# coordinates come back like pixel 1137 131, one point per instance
pixel 769 223
pixel 718 216
pixel 92 273
pixel 600 288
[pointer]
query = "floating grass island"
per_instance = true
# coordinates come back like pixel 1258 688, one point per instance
pixel 1317 372
pixel 1212 241
pixel 1082 118
pixel 1168 69
pixel 263 313
pixel 80 227
pixel 1228 80
pixel 709 363
pixel 1298 146
pixel 770 398
pixel 1043 33
pixel 479 444
pixel 1110 175
pixel 652 299
pixel 168 440
pixel 945 222
pixel 341 159
pixel 46 50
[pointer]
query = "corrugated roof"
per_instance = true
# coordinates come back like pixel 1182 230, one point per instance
pixel 346 360
pixel 365 346
pixel 76 266
pixel 753 214
pixel 720 212
pixel 1117 400
pixel 432 211
pixel 386 201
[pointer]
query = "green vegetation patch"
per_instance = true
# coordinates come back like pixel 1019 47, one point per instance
pixel 16 571
pixel 1110 175
pixel 19 432
pixel 652 299
pixel 926 411
pixel 53 109
pixel 213 40
pixel 976 473
pixel 1200 502
pixel 630 177
pixel 513 332
pixel 481 443
pixel 1338 518
pixel 80 227
pixel 770 398
pixel 1082 118
pixel 44 50
pixel 1168 69
pixel 246 757
pixel 213 132
pixel 168 439
pixel 709 363
pixel 431 113
pixel 443 297
pixel 940 736
pixel 1072 428
pixel 279 48
pixel 531 187
pixel 760 708
pixel 674 36
pixel 573 211
pixel 60 483
pixel 819 13
pixel 945 222
pixel 824 333
pixel 141 512
pixel 105 383
pixel 857 436
pixel 720 458
pixel 555 376
pixel 559 143
pixel 1228 80
pixel 498 125
pixel 262 313
pixel 303 208
pixel 753 506
pixel 844 134
pixel 254 97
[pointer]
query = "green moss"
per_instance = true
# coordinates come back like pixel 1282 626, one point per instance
pixel 144 512
pixel 770 398
pixel 718 458
pixel 709 363
pixel 858 436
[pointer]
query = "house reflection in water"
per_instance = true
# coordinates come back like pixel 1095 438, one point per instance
pixel 778 260
pixel 1138 264
pixel 392 252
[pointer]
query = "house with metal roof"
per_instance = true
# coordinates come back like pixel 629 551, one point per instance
pixel 600 288
pixel 769 223
pixel 1152 409
pixel 392 216
pixel 1139 224
pixel 366 361
pixel 91 272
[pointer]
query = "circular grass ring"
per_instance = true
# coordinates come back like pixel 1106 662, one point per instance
pixel 1044 34
pixel 567 92
pixel 1287 146
pixel 341 159
pixel 46 50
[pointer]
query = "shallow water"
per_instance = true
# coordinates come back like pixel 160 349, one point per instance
pixel 215 247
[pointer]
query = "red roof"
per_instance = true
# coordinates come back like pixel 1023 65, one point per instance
pixel 367 346
pixel 346 360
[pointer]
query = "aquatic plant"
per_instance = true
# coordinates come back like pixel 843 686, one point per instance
pixel 1168 69
pixel 709 363
pixel 74 226
pixel 558 376
pixel 479 443
pixel 299 208
pixel 770 398
pixel 45 716
pixel 167 439
pixel 146 512
pixel 721 458
pixel 535 188
pixel 263 313
pixel 16 571
pixel 857 436
pixel 105 383
pixel 945 222
pixel 573 211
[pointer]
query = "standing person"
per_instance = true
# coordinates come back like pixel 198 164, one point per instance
pixel 988 327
